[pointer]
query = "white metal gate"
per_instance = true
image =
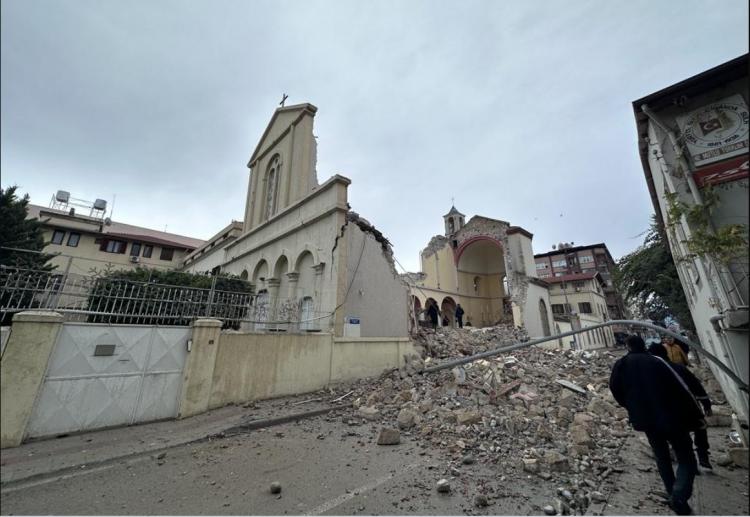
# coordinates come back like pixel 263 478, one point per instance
pixel 105 375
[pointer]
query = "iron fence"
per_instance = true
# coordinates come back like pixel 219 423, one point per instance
pixel 108 299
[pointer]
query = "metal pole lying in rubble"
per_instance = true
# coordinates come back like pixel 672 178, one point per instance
pixel 633 323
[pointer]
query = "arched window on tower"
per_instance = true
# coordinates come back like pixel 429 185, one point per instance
pixel 451 226
pixel 272 183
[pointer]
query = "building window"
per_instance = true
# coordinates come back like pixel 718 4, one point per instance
pixel 559 274
pixel 542 265
pixel 578 284
pixel 560 308
pixel 585 259
pixel 58 236
pixel 584 307
pixel 135 249
pixel 559 263
pixel 272 182
pixel 73 239
pixel 113 246
pixel 148 249
pixel 166 254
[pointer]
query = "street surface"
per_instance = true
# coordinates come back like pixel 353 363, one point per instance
pixel 328 467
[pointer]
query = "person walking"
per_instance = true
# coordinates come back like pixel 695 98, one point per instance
pixel 432 313
pixel 661 406
pixel 460 316
pixel 675 352
pixel 700 436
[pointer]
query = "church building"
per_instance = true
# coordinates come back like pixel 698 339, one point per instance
pixel 314 263
pixel 487 266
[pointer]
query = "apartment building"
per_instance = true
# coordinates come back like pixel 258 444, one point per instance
pixel 89 242
pixel 579 300
pixel 693 142
pixel 566 259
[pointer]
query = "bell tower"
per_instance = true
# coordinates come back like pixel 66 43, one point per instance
pixel 454 221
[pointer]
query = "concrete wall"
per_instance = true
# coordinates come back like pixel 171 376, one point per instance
pixel 374 292
pixel 227 367
pixel 532 315
pixel 22 370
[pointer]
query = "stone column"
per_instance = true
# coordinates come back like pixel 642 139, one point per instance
pixel 318 294
pixel 292 307
pixel 197 381
pixel 22 369
pixel 273 306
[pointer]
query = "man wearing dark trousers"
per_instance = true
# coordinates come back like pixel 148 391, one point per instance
pixel 660 405
pixel 700 436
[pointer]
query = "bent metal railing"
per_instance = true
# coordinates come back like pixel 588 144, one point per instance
pixel 629 323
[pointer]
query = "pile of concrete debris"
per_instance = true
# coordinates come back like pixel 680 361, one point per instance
pixel 449 342
pixel 545 413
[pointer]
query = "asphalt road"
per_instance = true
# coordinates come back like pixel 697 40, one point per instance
pixel 327 467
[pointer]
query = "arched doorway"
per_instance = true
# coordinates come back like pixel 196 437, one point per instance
pixel 448 310
pixel 545 317
pixel 480 265
pixel 417 305
pixel 427 304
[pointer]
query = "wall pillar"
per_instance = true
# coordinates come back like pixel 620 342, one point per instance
pixel 273 293
pixel 292 298
pixel 198 374
pixel 317 286
pixel 22 370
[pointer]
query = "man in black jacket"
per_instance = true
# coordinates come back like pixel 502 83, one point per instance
pixel 660 405
pixel 699 392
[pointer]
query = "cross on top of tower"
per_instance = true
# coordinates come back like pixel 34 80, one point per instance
pixel 284 97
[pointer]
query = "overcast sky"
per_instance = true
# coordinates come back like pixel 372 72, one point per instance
pixel 519 110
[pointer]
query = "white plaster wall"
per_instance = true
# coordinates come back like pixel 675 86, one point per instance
pixel 531 314
pixel 705 295
pixel 311 225
pixel 375 294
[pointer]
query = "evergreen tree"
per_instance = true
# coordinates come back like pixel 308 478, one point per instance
pixel 18 232
pixel 648 278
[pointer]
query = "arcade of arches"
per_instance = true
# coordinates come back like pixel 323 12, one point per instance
pixel 487 267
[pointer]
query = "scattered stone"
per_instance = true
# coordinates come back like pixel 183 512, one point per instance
pixel 480 501
pixel 275 487
pixel 549 510
pixel 369 413
pixel 389 436
pixel 724 460
pixel 468 417
pixel 443 486
pixel 161 456
pixel 406 419
pixel 468 459
pixel 530 465
pixel 739 456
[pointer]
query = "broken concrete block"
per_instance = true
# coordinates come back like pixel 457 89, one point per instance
pixel 597 497
pixel 556 462
pixel 443 486
pixel 468 417
pixel 580 436
pixel 369 413
pixel 389 436
pixel 601 407
pixel 480 501
pixel 530 465
pixel 406 419
pixel 275 487
pixel 739 456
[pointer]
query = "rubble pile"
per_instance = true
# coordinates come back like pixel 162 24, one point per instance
pixel 450 343
pixel 534 412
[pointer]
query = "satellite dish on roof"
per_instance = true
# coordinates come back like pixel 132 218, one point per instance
pixel 107 221
pixel 62 196
pixel 554 246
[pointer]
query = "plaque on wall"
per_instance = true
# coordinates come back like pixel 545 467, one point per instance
pixel 716 131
